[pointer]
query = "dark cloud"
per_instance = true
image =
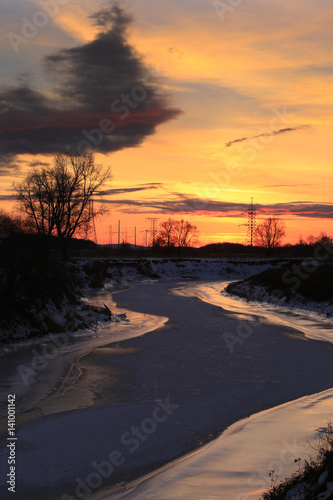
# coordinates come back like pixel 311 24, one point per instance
pixel 135 189
pixel 185 204
pixel 179 203
pixel 7 197
pixel 39 164
pixel 102 93
pixel 274 132
pixel 302 209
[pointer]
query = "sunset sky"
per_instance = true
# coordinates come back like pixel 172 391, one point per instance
pixel 226 100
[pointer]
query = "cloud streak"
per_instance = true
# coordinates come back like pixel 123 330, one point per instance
pixel 103 95
pixel 144 187
pixel 274 132
pixel 187 204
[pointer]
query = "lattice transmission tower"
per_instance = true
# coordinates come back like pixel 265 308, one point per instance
pixel 153 229
pixel 251 223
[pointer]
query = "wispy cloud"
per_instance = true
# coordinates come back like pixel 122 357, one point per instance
pixel 274 132
pixel 7 197
pixel 285 185
pixel 187 204
pixel 143 187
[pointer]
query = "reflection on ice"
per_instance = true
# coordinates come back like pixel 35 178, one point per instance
pixel 237 464
pixel 59 373
pixel 310 324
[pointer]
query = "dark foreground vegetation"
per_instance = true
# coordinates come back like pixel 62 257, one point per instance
pixel 313 282
pixel 39 292
pixel 313 478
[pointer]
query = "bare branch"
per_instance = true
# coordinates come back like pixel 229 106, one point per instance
pixel 270 233
pixel 58 199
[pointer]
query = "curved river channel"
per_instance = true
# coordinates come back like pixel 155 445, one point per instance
pixel 78 378
pixel 237 464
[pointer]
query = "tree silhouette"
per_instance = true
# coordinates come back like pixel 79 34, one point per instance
pixel 270 233
pixel 57 200
pixel 176 233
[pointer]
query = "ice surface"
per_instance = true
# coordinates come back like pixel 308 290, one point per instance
pixel 187 360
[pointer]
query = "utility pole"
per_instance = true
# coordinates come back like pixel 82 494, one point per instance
pixel 109 232
pixel 118 233
pixel 135 236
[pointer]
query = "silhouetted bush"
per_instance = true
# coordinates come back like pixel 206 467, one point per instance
pixel 30 279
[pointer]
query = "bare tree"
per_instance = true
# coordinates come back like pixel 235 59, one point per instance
pixel 186 233
pixel 58 199
pixel 10 223
pixel 324 238
pixel 166 236
pixel 177 233
pixel 270 233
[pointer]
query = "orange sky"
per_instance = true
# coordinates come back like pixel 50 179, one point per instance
pixel 262 72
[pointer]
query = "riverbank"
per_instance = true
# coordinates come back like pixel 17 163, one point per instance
pixel 44 372
pixel 182 386
pixel 308 287
pixel 47 295
pixel 244 462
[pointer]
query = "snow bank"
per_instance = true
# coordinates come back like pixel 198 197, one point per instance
pixel 129 270
pixel 255 293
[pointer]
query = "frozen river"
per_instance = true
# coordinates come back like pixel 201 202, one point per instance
pixel 218 360
pixel 237 464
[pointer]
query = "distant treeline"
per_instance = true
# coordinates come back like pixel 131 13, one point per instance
pixel 17 231
pixel 52 247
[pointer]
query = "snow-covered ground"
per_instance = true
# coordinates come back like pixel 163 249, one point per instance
pixel 254 293
pixel 133 270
